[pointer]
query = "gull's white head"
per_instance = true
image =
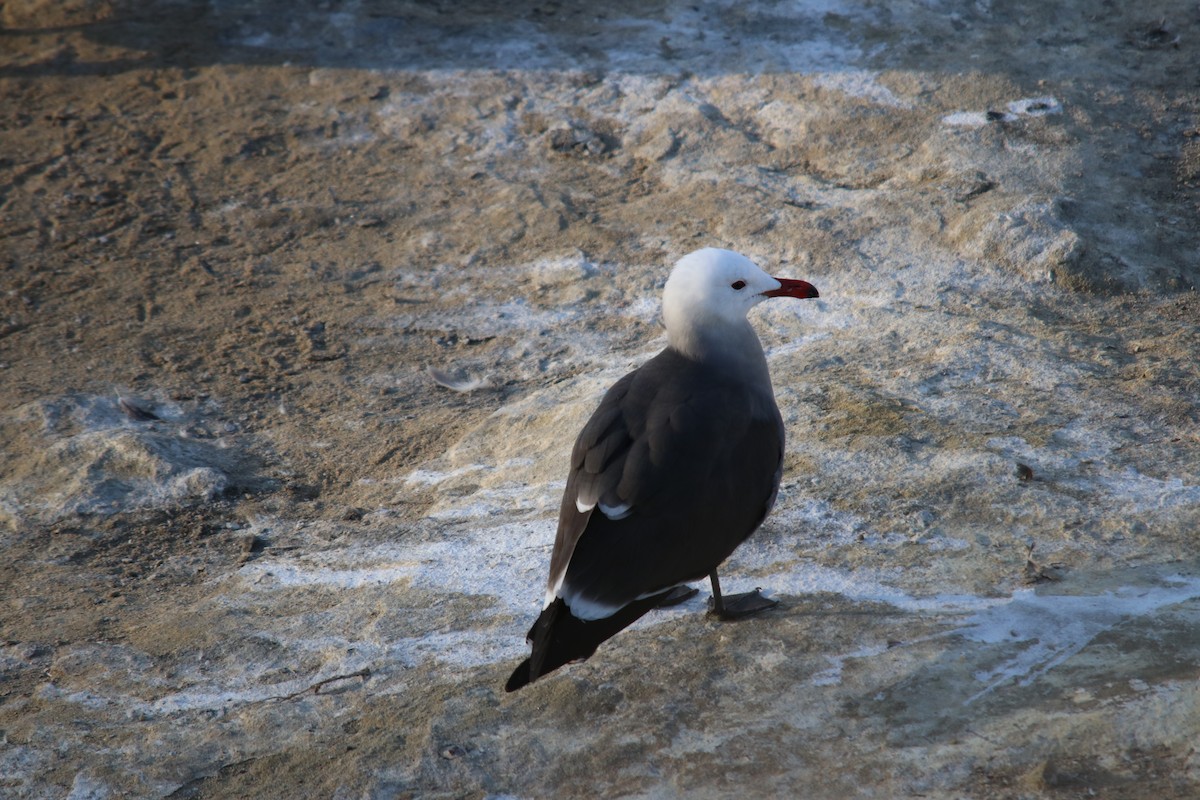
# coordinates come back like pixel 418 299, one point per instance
pixel 713 288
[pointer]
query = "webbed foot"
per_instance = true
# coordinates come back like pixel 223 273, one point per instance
pixel 739 606
pixel 679 594
pixel 736 606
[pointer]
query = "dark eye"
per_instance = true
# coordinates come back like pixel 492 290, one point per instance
pixel 739 285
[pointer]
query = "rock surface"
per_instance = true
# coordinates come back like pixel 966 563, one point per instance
pixel 302 308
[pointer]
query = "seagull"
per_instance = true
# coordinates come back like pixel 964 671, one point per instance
pixel 679 465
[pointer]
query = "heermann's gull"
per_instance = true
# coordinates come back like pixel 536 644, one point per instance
pixel 677 467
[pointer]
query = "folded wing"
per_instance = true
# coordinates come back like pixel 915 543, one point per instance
pixel 667 479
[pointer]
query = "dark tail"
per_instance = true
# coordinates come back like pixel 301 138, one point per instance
pixel 559 638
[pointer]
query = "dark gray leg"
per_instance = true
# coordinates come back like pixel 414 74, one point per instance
pixel 736 606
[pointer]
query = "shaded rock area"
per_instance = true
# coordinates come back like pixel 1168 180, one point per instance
pixel 303 305
pixel 78 456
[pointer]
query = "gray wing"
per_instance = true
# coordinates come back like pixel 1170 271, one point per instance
pixel 672 472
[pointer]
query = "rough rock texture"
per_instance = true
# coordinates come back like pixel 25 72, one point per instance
pixel 302 306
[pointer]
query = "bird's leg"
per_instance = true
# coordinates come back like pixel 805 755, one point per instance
pixel 736 606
